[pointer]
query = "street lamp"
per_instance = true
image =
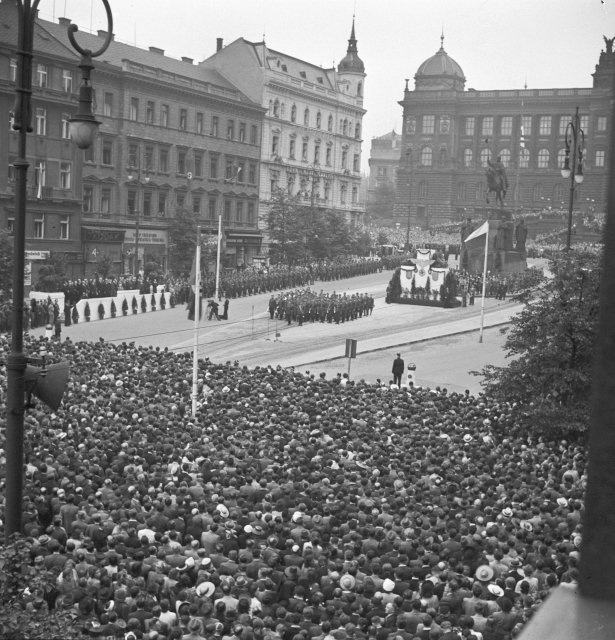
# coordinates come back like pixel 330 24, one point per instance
pixel 573 168
pixel 408 161
pixel 138 199
pixel 83 128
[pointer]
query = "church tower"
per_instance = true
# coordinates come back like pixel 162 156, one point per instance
pixel 351 70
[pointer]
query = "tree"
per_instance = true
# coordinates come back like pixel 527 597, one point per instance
pixel 51 275
pixel 182 242
pixel 380 204
pixel 548 381
pixel 104 265
pixel 286 228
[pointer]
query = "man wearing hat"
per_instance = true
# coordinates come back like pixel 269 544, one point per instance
pixel 398 370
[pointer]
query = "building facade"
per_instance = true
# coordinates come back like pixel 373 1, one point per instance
pixel 311 141
pixel 450 133
pixel 384 155
pixel 174 135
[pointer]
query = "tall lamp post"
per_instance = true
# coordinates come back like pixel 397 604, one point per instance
pixel 408 161
pixel 82 127
pixel 139 199
pixel 573 167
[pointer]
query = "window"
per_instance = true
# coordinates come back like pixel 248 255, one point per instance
pixel 181 161
pixel 163 160
pixel 355 162
pixel 426 157
pixel 64 126
pixel 561 158
pixel 345 127
pixel 318 120
pixel 317 153
pixel 526 125
pixel 599 158
pixel 252 173
pixel 601 123
pixel 39 227
pixel 196 205
pixel 88 154
pixel 462 191
pixel 180 199
pixel 107 152
pixel 64 228
pixel 67 80
pixel 343 192
pixel 148 157
pixel 355 195
pixel 147 204
pixel 242 132
pixel 524 158
pixel 230 130
pixel 276 109
pixel 162 203
pixel 214 126
pixel 291 150
pixel 543 159
pixel 251 212
pixel 198 165
pixel 584 122
pixel 505 157
pixel 429 124
pixel 506 126
pixel 212 205
pixel 133 154
pixel 239 211
pixel 133 112
pixel 330 123
pixel 164 115
pixel 253 134
pixel 423 189
pixel 487 129
pixel 65 174
pixel 293 113
pixel 132 201
pixel 150 112
pixel 485 156
pixel 563 124
pixel 40 173
pixel 108 104
pixel 229 169
pixel 11 120
pixel 41 77
pixel 87 200
pixel 344 159
pixel 213 167
pixel 227 211
pixel 183 119
pixel 328 156
pixel 13 69
pixel 275 145
pixel 41 121
pixel 480 191
pixel 306 117
pixel 199 122
pixel 10 225
pixel 544 126
pixel 470 124
pixel 468 158
pixel 537 192
pixel 327 191
pixel 304 151
pixel 357 130
pixel 105 201
pixel 241 171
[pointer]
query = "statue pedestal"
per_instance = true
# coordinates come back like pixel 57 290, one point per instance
pixel 503 257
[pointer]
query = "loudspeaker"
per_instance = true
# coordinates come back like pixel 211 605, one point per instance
pixel 48 383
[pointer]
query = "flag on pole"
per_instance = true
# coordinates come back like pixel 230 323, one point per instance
pixel 482 230
pixel 193 272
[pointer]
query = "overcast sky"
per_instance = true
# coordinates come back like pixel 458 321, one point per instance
pixel 500 44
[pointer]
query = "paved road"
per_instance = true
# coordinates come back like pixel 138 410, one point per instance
pixel 442 342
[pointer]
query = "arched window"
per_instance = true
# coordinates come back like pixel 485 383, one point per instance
pixel 293 113
pixel 423 190
pixel 561 158
pixel 485 155
pixel 330 123
pixel 426 157
pixel 318 120
pixel 543 159
pixel 524 158
pixel 357 130
pixel 468 158
pixel 306 117
pixel 505 157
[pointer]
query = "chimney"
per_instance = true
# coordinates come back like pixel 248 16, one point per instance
pixel 102 33
pixel 64 22
pixel 157 50
pixel 219 44
pixel 187 59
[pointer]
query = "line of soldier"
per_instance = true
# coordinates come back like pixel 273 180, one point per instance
pixel 305 305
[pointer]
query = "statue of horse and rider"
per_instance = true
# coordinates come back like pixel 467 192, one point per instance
pixel 497 182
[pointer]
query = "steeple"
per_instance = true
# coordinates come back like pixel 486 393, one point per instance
pixel 351 61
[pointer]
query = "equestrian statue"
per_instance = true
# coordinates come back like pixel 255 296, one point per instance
pixel 497 182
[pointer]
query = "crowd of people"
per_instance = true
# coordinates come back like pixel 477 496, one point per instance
pixel 292 507
pixel 305 305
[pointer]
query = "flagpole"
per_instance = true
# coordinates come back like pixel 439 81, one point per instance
pixel 482 306
pixel 218 257
pixel 197 317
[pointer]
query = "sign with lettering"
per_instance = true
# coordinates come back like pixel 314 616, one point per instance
pixel 146 236
pixel 36 255
pixel 102 235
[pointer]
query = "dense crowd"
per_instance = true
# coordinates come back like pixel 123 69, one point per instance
pixel 291 508
pixel 305 305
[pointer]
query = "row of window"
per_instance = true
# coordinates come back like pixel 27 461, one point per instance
pixel 41 123
pixel 315 189
pixel 522 125
pixel 543 158
pixel 48 173
pixel 39 227
pixel 277 109
pixel 46 77
pixel 316 154
pixel 535 193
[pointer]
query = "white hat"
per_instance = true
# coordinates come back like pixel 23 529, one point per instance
pixel 388 585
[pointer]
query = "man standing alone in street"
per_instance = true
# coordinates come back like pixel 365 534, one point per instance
pixel 398 370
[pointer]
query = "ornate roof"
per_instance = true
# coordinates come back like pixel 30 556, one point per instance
pixel 351 61
pixel 439 72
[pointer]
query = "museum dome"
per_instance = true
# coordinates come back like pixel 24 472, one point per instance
pixel 439 72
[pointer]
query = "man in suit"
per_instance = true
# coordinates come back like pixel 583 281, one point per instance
pixel 398 370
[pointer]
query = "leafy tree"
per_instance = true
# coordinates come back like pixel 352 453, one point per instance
pixel 551 345
pixel 6 262
pixel 393 292
pixel 380 204
pixel 286 228
pixel 182 242
pixel 51 275
pixel 104 265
